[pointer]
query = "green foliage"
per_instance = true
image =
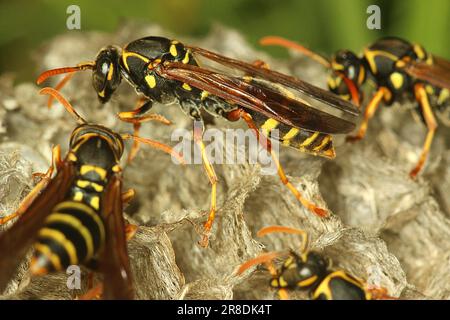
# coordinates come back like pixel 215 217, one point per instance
pixel 324 25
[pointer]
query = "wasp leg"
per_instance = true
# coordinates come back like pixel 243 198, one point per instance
pixel 370 111
pixel 45 179
pixel 136 118
pixel 130 231
pixel 198 133
pixel 128 195
pixel 422 98
pixel 307 204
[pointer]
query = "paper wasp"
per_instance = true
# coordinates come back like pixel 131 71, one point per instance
pixel 311 272
pixel 399 69
pixel 167 71
pixel 75 216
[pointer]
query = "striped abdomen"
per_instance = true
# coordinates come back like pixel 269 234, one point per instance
pixel 72 234
pixel 316 143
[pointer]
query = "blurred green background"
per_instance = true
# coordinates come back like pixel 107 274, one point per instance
pixel 323 25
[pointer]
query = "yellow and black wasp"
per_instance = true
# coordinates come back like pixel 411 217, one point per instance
pixel 167 71
pixel 75 216
pixel 311 272
pixel 399 69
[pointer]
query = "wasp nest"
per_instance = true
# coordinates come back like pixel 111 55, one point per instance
pixel 385 228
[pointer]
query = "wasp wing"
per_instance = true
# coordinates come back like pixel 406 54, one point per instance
pixel 437 74
pixel 114 260
pixel 323 97
pixel 261 96
pixel 17 240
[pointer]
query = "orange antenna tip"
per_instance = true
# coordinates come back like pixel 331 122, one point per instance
pixel 272 229
pixel 263 258
pixel 53 72
pixel 55 94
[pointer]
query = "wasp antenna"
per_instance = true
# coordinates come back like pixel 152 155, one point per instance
pixel 272 229
pixel 55 94
pixel 53 72
pixel 263 258
pixel 156 145
pixel 282 42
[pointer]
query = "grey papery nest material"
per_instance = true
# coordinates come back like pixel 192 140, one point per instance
pixel 385 228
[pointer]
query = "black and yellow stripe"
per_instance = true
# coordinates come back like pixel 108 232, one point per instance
pixel 316 143
pixel 72 234
pixel 339 285
pixel 74 231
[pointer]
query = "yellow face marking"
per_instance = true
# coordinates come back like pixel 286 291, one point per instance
pixel 126 54
pixel 151 81
pixel 78 196
pixel 87 168
pixel 269 125
pixel 110 72
pixel 116 168
pixel 323 144
pixel 397 80
pixel 186 87
pixel 204 95
pixel 60 238
pixel 283 282
pixel 370 57
pixel 362 75
pixel 337 66
pixel 186 58
pixel 86 209
pixel 443 96
pixel 310 140
pixel 173 50
pixel 102 93
pixel 429 90
pixel 274 283
pixel 307 282
pixel 331 83
pixel 95 202
pixel 45 250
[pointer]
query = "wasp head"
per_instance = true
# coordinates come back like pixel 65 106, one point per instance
pixel 106 75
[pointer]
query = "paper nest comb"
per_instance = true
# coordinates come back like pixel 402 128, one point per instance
pixel 385 228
